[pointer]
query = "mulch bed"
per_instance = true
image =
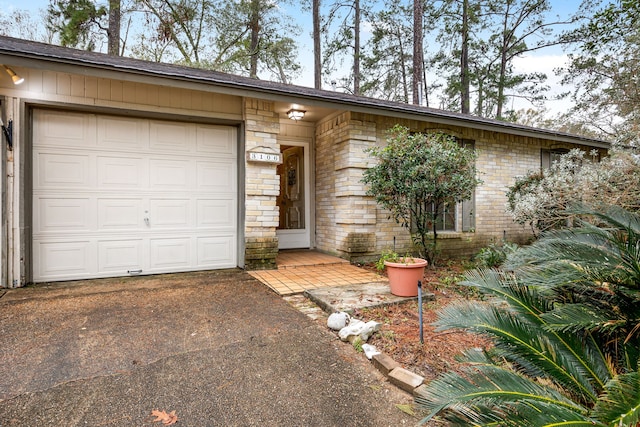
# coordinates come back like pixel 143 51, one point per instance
pixel 399 336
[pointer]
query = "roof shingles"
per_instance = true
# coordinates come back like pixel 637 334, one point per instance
pixel 25 49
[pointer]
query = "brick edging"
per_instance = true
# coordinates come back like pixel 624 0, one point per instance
pixel 399 376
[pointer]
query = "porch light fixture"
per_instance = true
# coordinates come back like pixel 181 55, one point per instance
pixel 295 114
pixel 16 78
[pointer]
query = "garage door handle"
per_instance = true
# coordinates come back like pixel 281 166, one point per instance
pixel 146 221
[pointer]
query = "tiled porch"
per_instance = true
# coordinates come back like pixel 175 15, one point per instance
pixel 305 269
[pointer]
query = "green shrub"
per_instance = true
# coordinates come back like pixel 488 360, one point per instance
pixel 494 255
pixel 415 176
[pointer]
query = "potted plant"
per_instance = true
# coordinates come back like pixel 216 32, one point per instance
pixel 403 272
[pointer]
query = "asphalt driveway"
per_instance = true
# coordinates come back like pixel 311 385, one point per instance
pixel 219 348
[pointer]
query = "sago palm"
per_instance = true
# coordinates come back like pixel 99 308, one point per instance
pixel 563 318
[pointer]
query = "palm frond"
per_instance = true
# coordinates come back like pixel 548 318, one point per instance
pixel 564 318
pixel 598 254
pixel 620 403
pixel 486 393
pixel 507 288
pixel 561 360
pixel 616 216
pixel 565 357
pixel 578 319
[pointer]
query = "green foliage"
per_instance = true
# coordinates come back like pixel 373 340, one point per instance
pixel 391 256
pixel 415 176
pixel 494 255
pixel 603 69
pixel 386 255
pixel 494 34
pixel 387 61
pixel 564 320
pixel 78 22
pixel 247 37
pixel 357 344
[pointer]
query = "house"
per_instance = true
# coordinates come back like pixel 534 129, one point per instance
pixel 114 166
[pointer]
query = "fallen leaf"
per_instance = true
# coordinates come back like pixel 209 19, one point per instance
pixel 407 409
pixel 164 418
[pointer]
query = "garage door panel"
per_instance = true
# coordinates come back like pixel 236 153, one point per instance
pixel 120 256
pixel 63 259
pixel 170 253
pixel 216 213
pixel 216 251
pixel 114 196
pixel 62 171
pixel 215 176
pixel 122 133
pixel 220 140
pixel 174 213
pixel 171 136
pixel 62 214
pixel 122 172
pixel 170 174
pixel 120 214
pixel 64 129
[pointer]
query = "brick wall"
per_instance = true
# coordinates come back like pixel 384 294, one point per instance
pixel 349 223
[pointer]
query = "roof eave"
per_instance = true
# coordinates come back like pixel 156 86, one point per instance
pixel 239 86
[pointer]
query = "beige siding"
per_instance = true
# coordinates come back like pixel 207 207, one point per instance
pixel 51 86
pixel 291 129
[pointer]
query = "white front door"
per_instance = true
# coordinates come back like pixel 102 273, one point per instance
pixel 294 229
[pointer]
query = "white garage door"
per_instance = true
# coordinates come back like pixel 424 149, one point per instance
pixel 114 196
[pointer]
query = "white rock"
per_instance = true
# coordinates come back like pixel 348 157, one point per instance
pixel 359 328
pixel 369 350
pixel 339 320
pixel 353 326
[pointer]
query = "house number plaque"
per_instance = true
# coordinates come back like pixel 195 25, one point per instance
pixel 256 156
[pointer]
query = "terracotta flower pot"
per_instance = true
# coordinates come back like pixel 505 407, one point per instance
pixel 404 276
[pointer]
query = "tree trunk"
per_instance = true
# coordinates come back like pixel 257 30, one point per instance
pixel 317 53
pixel 418 11
pixel 403 70
pixel 426 86
pixel 480 102
pixel 113 44
pixel 502 76
pixel 254 25
pixel 504 51
pixel 356 48
pixel 464 60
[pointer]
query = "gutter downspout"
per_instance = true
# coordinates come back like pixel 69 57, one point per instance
pixel 11 281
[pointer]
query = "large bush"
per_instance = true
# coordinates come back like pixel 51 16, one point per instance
pixel 541 198
pixel 416 176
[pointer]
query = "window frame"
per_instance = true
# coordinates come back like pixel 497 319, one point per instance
pixel 461 217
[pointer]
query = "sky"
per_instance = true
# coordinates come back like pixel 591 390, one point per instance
pixel 545 60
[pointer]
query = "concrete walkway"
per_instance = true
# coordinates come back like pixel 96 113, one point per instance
pixel 219 348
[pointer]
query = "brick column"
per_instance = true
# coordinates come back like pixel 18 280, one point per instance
pixel 346 217
pixel 262 185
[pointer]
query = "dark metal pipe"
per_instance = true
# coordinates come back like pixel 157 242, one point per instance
pixel 420 311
